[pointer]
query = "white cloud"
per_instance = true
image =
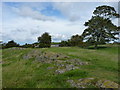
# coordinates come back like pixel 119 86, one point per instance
pixel 29 12
pixel 27 30
pixel 59 37
pixel 76 11
pixel 68 9
pixel 32 23
pixel 116 21
pixel 80 11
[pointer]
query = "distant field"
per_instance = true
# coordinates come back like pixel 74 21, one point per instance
pixel 21 73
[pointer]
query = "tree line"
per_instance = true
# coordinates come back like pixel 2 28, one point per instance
pixel 99 30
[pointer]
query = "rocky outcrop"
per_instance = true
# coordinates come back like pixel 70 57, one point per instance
pixel 65 67
pixel 96 83
pixel 44 56
pixel 61 62
pixel 106 84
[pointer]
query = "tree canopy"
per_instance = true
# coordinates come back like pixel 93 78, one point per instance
pixel 100 28
pixel 44 40
pixel 76 40
pixel 105 12
pixel 11 44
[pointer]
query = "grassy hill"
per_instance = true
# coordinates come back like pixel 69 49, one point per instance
pixel 60 67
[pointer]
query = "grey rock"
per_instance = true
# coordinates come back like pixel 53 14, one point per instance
pixel 26 57
pixel 40 58
pixel 106 84
pixel 59 71
pixel 69 67
pixel 70 81
pixel 85 82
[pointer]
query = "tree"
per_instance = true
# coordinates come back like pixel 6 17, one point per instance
pixel 100 29
pixel 63 44
pixel 27 45
pixel 105 12
pixel 11 44
pixel 76 40
pixel 44 40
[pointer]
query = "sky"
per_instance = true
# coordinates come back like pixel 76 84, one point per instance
pixel 24 22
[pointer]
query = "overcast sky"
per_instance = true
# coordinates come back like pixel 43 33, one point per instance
pixel 25 21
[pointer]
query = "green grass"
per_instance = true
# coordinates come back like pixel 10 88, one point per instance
pixel 19 73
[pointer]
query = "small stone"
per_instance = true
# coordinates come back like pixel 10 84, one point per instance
pixel 60 71
pixel 70 81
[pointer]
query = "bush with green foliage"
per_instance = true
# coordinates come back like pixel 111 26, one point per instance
pixel 10 44
pixel 75 40
pixel 44 40
pixel 64 44
pixel 27 46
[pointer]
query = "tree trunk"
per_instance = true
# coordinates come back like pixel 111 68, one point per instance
pixel 95 46
pixel 96 43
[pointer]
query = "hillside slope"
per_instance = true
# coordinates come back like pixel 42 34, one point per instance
pixel 60 67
